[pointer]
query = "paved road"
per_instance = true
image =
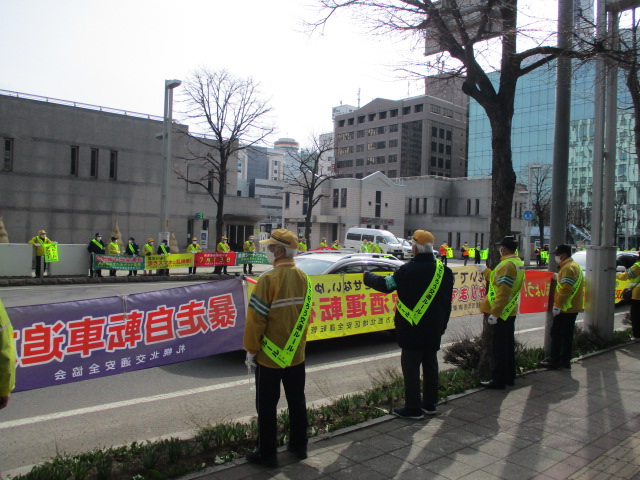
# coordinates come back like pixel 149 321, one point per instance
pixel 178 398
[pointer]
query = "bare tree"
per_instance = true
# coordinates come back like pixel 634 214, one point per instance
pixel 541 195
pixel 456 26
pixel 235 117
pixel 305 175
pixel 578 221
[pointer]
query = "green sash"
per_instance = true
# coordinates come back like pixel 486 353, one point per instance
pixel 414 316
pixel 515 290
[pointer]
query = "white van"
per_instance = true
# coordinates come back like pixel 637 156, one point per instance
pixel 387 240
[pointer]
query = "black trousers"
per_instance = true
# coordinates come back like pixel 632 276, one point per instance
pixel 562 337
pixel 634 313
pixel 39 265
pixel 504 350
pixel 411 360
pixel 247 266
pixel 192 270
pixel 477 259
pixel 267 395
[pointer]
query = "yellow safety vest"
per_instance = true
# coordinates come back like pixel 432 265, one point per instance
pixel 515 290
pixel 568 304
pixel 284 356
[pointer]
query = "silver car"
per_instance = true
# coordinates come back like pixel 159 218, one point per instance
pixel 319 263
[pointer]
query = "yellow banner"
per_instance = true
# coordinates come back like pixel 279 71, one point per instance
pixel 173 260
pixel 342 305
pixel 50 252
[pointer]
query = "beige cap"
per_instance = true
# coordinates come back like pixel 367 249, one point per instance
pixel 422 237
pixel 281 237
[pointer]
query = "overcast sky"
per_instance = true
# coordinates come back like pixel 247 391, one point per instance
pixel 118 53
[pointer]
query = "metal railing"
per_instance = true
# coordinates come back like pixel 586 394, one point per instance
pixel 71 103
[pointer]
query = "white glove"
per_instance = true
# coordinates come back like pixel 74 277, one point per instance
pixel 481 268
pixel 555 276
pixel 555 311
pixel 492 320
pixel 251 360
pixel 37 244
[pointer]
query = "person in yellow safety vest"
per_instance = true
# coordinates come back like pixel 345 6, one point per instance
pixel 302 245
pixel 375 248
pixel 7 358
pixel 194 247
pixel 633 275
pixel 163 249
pixel 248 247
pixel 96 246
pixel 38 243
pixel 113 249
pixel 568 301
pixel 500 307
pixel 222 247
pixel 336 245
pixel 133 250
pixel 323 243
pixel 365 247
pixel 275 339
pixel 148 250
pixel 425 288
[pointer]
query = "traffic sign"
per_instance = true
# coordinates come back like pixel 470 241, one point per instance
pixel 527 215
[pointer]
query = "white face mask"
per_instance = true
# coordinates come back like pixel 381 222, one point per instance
pixel 271 256
pixel 558 259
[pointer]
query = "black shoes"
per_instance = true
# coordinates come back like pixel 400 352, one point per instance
pixel 410 413
pixel 299 452
pixel 493 385
pixel 550 365
pixel 257 458
pixel 429 409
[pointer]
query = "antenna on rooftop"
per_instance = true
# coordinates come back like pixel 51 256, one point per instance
pixel 358 98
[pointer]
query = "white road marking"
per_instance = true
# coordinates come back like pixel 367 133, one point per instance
pixel 199 390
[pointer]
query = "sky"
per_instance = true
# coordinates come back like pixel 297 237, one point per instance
pixel 118 53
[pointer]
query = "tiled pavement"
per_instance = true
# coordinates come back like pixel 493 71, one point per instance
pixel 578 424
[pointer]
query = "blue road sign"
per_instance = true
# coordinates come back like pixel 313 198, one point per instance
pixel 527 215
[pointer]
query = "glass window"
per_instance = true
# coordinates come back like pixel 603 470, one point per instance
pixel 113 165
pixel 418 108
pixel 393 143
pixel 393 128
pixel 382 115
pixel 406 110
pixel 343 197
pixel 8 155
pixel 394 113
pixel 93 170
pixel 336 197
pixel 372 117
pixel 75 152
pixel 350 121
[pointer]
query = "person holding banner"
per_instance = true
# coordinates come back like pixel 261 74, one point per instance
pixel 222 247
pixel 425 288
pixel 500 307
pixel 7 358
pixel 147 251
pixel 96 246
pixel 113 249
pixel 38 243
pixel 248 247
pixel 194 248
pixel 568 301
pixel 163 249
pixel 133 250
pixel 275 339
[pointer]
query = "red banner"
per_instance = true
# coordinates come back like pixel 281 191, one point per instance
pixel 207 259
pixel 534 296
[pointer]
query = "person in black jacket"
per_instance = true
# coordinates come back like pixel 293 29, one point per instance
pixel 133 250
pixel 96 245
pixel 425 288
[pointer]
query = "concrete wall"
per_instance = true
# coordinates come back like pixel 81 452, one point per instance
pixel 16 260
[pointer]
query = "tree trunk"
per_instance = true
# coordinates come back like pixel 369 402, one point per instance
pixel 485 365
pixel 222 191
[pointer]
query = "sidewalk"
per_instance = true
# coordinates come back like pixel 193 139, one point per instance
pixel 582 424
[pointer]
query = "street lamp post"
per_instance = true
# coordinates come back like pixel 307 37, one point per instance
pixel 167 130
pixel 527 246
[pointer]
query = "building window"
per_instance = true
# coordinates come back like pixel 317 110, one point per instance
pixel 418 205
pixel 447 149
pixel 440 208
pixel 371 131
pixel 359 175
pixel 287 199
pixel 448 134
pixel 406 110
pixel 447 164
pixel 468 206
pixel 446 206
pixel 343 197
pixel 440 162
pixel 359 162
pixel 113 165
pixel 336 197
pixel 350 121
pixel 434 131
pixel 8 155
pixel 93 170
pixel 393 128
pixel 393 113
pixel 434 146
pixel 410 204
pixel 435 109
pixel 392 174
pixel 360 133
pixel 361 119
pixel 372 117
pixel 75 153
pixel 381 130
pixel 393 158
pixel 441 148
pixel 417 108
pixel 433 161
pixel 210 181
pixel 360 148
pixel 382 115
pixel 393 143
pixel 477 206
pixel 441 133
pixel 424 205
pixel 340 123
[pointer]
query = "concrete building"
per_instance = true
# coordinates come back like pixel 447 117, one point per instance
pixel 423 135
pixel 75 170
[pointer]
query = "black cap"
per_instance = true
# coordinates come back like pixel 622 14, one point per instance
pixel 132 239
pixel 98 234
pixel 114 238
pixel 510 242
pixel 563 248
pixel 165 241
